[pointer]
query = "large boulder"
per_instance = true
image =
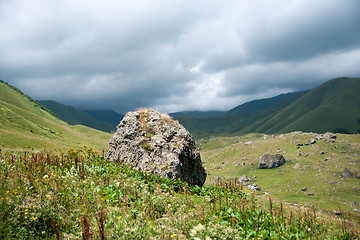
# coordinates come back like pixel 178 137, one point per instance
pixel 151 141
pixel 271 161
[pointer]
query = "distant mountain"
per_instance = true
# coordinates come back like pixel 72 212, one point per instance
pixel 25 124
pixel 74 116
pixel 106 116
pixel 198 114
pixel 333 106
pixel 262 104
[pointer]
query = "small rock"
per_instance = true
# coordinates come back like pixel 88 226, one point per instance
pixel 304 189
pixel 345 173
pixel 327 159
pixel 337 212
pixel 330 135
pixel 308 205
pixel 244 178
pixel 297 166
pixel 322 152
pixel 311 194
pixel 358 176
pixel 310 141
pixel 354 204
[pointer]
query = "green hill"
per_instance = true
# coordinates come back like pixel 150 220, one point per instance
pixel 74 116
pixel 26 124
pixel 332 106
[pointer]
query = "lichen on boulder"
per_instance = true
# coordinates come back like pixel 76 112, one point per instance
pixel 153 142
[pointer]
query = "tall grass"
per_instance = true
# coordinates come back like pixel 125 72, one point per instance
pixel 80 195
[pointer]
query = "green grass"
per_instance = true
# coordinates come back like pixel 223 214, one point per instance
pixel 24 124
pixel 79 195
pixel 284 183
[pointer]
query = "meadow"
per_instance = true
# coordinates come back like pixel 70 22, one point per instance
pixel 77 194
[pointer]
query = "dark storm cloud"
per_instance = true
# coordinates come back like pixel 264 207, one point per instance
pixel 175 55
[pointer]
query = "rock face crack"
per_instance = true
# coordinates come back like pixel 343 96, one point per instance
pixel 151 141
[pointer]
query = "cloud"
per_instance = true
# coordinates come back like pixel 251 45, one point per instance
pixel 175 55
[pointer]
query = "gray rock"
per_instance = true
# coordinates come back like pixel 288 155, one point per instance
pixel 150 141
pixel 244 179
pixel 345 173
pixel 297 166
pixel 354 204
pixel 310 141
pixel 330 135
pixel 358 176
pixel 337 212
pixel 304 189
pixel 271 161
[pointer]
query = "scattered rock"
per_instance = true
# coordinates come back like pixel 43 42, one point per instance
pixel 354 204
pixel 244 179
pixel 268 161
pixel 345 173
pixel 337 212
pixel 297 166
pixel 310 141
pixel 304 189
pixel 358 176
pixel 310 194
pixel 319 137
pixel 308 205
pixel 322 152
pixel 299 144
pixel 153 142
pixel 254 187
pixel 330 135
pixel 327 159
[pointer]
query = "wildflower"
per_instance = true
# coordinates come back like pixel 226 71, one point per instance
pixel 33 218
pixel 119 217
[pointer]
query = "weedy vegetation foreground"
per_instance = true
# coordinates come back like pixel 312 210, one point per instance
pixel 80 195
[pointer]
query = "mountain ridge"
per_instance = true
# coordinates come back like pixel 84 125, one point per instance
pixel 333 106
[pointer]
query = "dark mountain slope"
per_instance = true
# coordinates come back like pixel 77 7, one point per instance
pixel 106 116
pixel 333 106
pixel 74 116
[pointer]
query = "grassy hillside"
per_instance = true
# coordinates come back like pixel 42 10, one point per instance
pixel 318 167
pixel 81 195
pixel 74 116
pixel 333 107
pixel 25 124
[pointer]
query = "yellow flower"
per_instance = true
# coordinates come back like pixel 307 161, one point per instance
pixel 174 235
pixel 119 217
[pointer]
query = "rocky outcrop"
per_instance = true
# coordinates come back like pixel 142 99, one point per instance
pixel 271 161
pixel 153 142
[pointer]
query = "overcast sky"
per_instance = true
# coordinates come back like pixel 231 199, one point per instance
pixel 175 55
